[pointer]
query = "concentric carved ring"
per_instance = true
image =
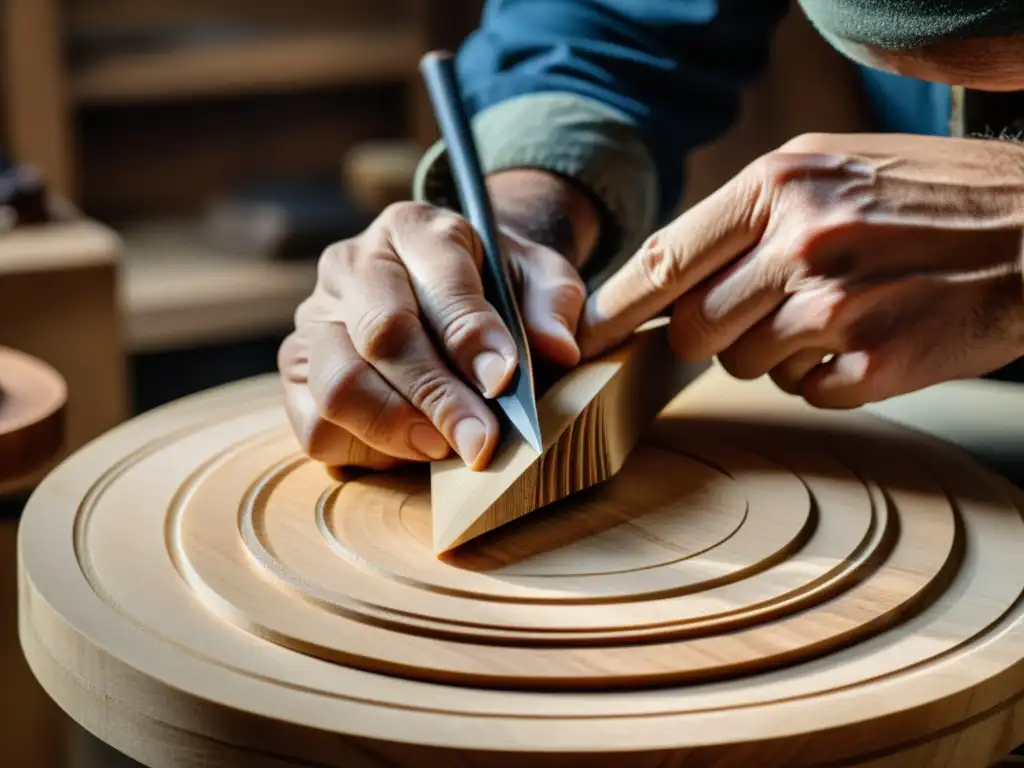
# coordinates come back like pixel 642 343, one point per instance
pixel 715 564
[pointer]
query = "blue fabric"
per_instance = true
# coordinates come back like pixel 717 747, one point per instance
pixel 675 68
pixel 904 105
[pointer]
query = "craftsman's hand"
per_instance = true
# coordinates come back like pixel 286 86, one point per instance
pixel 396 349
pixel 848 268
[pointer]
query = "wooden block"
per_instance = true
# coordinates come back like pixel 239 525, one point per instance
pixel 32 397
pixel 761 584
pixel 590 422
pixel 59 302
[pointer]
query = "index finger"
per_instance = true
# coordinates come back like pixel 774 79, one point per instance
pixel 674 260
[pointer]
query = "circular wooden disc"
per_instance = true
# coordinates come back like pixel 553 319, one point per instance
pixel 801 589
pixel 32 398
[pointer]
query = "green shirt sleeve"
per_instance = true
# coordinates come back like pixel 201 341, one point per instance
pixel 575 137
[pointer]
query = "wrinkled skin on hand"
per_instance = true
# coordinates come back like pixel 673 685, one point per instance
pixel 849 268
pixel 396 350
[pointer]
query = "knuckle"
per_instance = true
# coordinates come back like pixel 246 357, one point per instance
pixel 451 227
pixel 433 393
pixel 660 262
pixel 348 262
pixel 464 320
pixel 337 388
pixel 338 259
pixel 773 169
pixel 384 333
pixel 410 213
pixel 339 255
pixel 787 177
pixel 807 143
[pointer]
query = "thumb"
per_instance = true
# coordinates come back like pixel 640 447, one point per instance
pixel 553 296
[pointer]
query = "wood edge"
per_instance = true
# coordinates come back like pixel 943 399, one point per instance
pixel 34 449
pixel 92 710
pixel 59 245
pixel 29 448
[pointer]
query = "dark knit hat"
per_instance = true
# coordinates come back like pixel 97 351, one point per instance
pixel 903 24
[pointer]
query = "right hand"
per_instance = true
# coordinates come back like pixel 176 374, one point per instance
pixel 395 350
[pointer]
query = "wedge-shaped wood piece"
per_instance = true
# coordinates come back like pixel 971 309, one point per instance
pixel 590 420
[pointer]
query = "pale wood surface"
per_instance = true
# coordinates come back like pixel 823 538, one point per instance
pixel 32 399
pixel 231 603
pixel 590 421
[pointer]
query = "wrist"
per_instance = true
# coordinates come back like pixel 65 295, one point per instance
pixel 548 209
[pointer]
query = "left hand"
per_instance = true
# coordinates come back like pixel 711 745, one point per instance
pixel 850 268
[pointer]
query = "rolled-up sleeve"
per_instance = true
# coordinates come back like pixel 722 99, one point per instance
pixel 610 93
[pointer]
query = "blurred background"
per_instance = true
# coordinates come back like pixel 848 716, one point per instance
pixel 172 170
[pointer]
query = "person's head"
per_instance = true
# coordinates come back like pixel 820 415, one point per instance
pixel 974 43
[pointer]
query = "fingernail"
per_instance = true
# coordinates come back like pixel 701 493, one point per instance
pixel 489 369
pixel 470 438
pixel 428 441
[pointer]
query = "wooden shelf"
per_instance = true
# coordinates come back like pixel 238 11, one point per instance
pixel 177 291
pixel 282 63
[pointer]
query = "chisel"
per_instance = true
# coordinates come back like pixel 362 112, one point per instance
pixel 518 400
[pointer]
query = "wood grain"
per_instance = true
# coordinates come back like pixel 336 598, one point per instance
pixel 761 584
pixel 32 399
pixel 590 421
